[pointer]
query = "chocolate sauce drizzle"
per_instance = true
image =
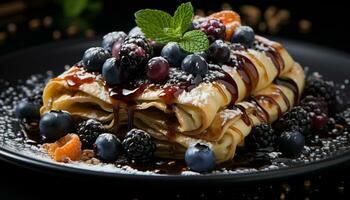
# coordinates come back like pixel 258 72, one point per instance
pixel 77 77
pixel 180 81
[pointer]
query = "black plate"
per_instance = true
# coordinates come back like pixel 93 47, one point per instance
pixel 333 64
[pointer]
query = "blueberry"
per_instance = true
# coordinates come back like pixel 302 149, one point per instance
pixel 111 38
pixel 219 52
pixel 244 35
pixel 27 110
pixel 203 54
pixel 200 158
pixel 157 69
pixel 56 124
pixel 135 31
pixel 195 64
pixel 174 54
pixel 94 58
pixel 112 72
pixel 107 147
pixel 291 143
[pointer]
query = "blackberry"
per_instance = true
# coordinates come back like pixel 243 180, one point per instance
pixel 138 146
pixel 261 136
pixel 310 103
pixel 316 86
pixel 317 109
pixel 135 53
pixel 88 131
pixel 213 28
pixel 295 120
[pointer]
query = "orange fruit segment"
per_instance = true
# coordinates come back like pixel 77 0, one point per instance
pixel 230 29
pixel 226 16
pixel 67 147
pixel 230 19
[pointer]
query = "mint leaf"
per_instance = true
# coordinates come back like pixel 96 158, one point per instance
pixel 74 8
pixel 155 24
pixel 163 28
pixel 183 17
pixel 194 41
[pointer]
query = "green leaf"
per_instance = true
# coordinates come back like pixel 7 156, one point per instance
pixel 194 41
pixel 155 24
pixel 74 8
pixel 183 17
pixel 95 6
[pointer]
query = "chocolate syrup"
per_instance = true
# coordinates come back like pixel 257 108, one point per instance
pixel 77 77
pixel 289 83
pixel 272 52
pixel 270 101
pixel 285 99
pixel 231 86
pixel 261 112
pixel 250 69
pixel 244 115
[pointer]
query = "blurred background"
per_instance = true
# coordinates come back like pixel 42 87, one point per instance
pixel 26 23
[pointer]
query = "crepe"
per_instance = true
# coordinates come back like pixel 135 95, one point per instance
pixel 215 111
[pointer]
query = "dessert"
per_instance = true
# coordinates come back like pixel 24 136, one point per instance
pixel 186 88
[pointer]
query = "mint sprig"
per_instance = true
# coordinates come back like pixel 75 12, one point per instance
pixel 163 28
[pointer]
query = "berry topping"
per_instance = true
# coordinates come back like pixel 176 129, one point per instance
pixel 200 158
pixel 138 146
pixel 219 52
pixel 113 73
pixel 261 136
pixel 88 131
pixel 55 124
pixel 94 58
pixel 65 149
pixel 107 147
pixel 111 38
pixel 135 53
pixel 157 69
pixel 317 109
pixel 244 35
pixel 173 54
pixel 227 16
pixel 291 143
pixel 27 110
pixel 230 19
pixel 116 50
pixel 316 86
pixel 195 64
pixel 297 119
pixel 213 28
pixel 135 31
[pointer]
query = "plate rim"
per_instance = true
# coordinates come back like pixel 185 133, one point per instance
pixel 22 160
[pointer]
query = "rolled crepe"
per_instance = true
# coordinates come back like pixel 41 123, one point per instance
pixel 177 115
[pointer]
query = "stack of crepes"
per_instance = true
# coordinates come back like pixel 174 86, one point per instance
pixel 207 114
